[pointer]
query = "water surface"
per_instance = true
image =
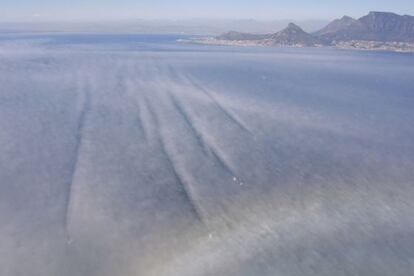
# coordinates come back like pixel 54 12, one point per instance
pixel 138 155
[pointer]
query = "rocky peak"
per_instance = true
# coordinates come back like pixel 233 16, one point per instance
pixel 337 25
pixel 389 26
pixel 375 26
pixel 380 17
pixel 380 14
pixel 294 35
pixel 293 27
pixel 346 18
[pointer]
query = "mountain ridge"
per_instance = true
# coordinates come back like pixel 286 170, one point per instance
pixel 234 35
pixel 376 30
pixel 336 25
pixel 375 26
pixel 291 35
pixel 294 35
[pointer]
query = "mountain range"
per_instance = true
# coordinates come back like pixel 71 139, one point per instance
pixel 382 27
pixel 205 27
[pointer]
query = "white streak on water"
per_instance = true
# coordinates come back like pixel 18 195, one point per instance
pixel 172 159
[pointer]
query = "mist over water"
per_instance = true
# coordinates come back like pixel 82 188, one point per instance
pixel 137 155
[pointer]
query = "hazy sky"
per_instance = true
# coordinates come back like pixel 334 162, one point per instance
pixel 28 10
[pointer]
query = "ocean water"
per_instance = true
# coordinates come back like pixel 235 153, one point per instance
pixel 141 155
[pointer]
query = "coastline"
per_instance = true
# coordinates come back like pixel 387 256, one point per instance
pixel 399 47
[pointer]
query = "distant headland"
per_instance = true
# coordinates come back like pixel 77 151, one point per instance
pixel 375 31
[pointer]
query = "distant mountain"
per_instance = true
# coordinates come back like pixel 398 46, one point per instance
pixel 294 35
pixel 206 27
pixel 232 35
pixel 336 25
pixel 291 35
pixel 375 31
pixel 376 26
pixel 385 26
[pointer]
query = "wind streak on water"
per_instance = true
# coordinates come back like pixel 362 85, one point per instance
pixel 84 92
pixel 192 160
pixel 180 177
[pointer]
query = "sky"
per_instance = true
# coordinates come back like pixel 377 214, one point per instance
pixel 91 10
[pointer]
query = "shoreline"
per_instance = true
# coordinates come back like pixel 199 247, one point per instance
pixel 360 45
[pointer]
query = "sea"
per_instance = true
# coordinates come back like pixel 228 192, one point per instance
pixel 130 154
